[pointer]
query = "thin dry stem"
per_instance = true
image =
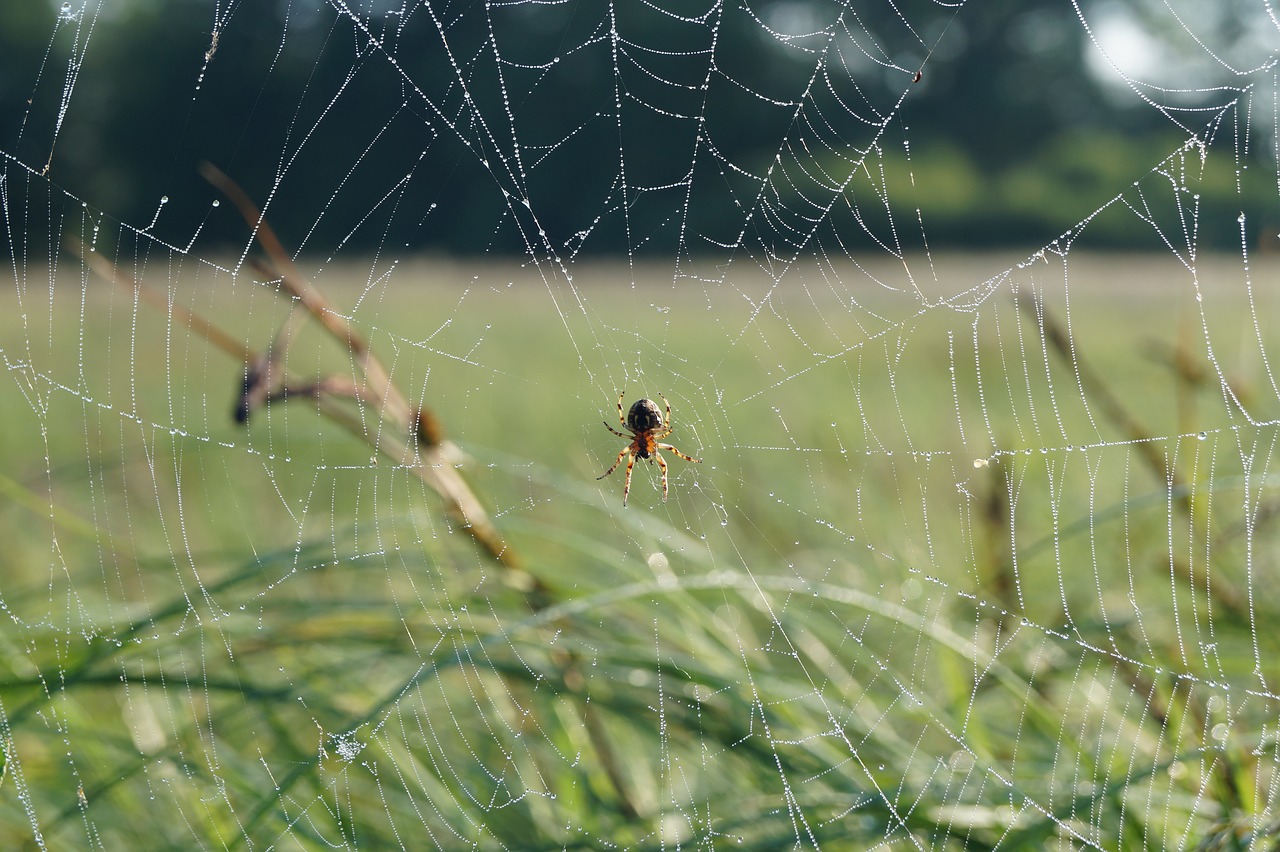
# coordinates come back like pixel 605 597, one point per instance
pixel 1096 389
pixel 436 461
pixel 183 316
pixel 417 438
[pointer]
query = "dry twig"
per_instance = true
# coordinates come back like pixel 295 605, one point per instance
pixel 436 460
pixel 1095 388
pixel 416 438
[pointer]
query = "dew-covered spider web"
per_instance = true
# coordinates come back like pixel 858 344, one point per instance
pixel 313 315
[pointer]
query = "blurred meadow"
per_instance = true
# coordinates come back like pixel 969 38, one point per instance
pixel 933 584
pixel 981 552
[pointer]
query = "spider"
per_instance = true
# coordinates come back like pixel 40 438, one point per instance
pixel 647 425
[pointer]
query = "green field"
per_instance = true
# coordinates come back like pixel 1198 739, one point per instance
pixel 933 582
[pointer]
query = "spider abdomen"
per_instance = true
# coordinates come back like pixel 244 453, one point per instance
pixel 644 416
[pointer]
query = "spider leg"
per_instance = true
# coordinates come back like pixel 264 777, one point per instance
pixel 626 486
pixel 677 452
pixel 616 462
pixel 666 428
pixel 662 464
pixel 621 419
pixel 615 431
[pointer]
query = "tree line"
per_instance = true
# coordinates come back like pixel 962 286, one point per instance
pixel 595 127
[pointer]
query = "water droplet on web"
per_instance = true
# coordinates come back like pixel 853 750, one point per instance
pixel 1202 436
pixel 164 199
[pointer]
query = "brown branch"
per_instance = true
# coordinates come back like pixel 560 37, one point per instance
pixel 387 395
pixel 183 316
pixel 433 459
pixel 436 461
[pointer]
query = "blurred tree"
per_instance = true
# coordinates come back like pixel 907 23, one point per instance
pixel 27 103
pixel 623 126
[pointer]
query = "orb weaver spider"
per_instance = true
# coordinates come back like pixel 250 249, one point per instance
pixel 646 424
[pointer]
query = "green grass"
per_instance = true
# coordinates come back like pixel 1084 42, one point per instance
pixel 831 634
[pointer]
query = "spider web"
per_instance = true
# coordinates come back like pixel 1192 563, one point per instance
pixel 980 551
